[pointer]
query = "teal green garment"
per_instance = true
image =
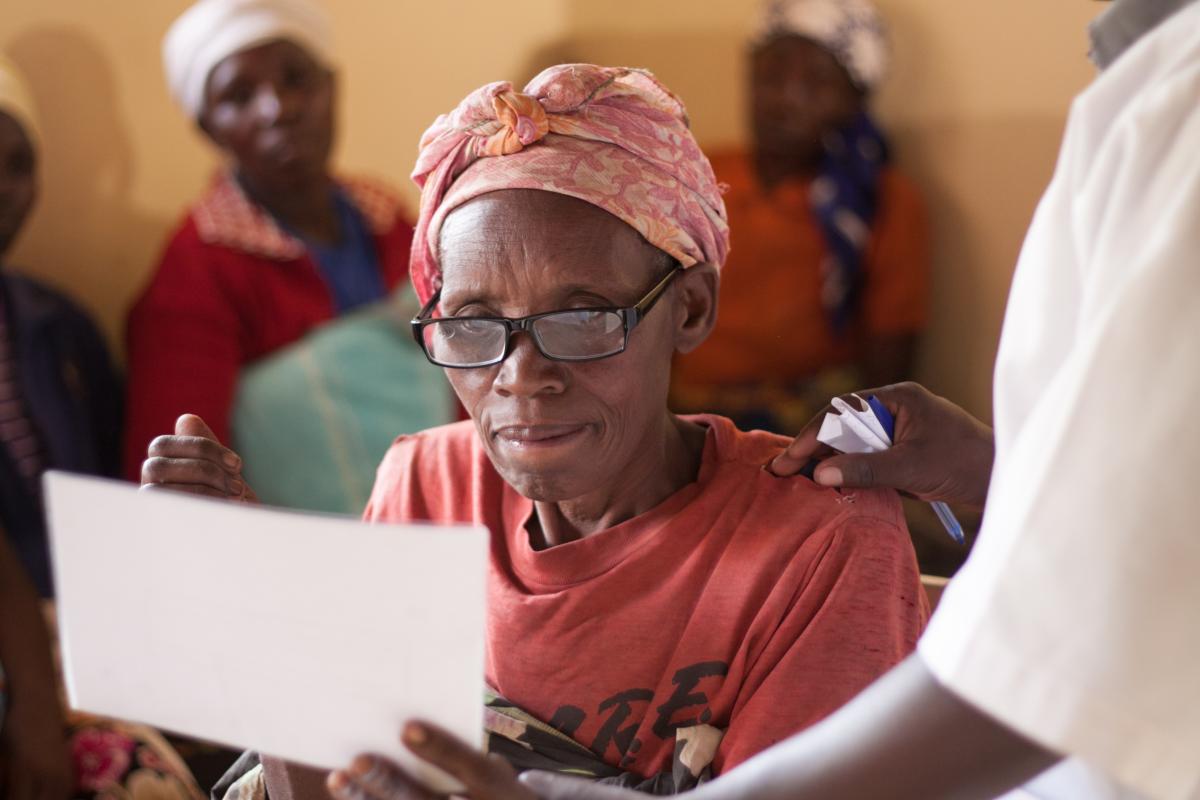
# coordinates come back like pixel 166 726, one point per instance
pixel 312 421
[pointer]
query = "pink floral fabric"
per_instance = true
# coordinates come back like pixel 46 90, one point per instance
pixel 614 137
pixel 116 760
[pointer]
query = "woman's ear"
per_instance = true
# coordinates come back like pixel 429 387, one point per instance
pixel 696 304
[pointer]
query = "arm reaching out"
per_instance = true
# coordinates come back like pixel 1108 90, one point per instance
pixel 904 738
pixel 940 452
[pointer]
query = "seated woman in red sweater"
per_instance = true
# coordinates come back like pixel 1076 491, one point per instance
pixel 661 605
pixel 277 246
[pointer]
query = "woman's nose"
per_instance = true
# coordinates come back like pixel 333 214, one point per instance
pixel 528 373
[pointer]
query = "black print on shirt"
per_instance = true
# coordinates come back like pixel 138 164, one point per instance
pixel 686 680
pixel 618 729
pixel 611 731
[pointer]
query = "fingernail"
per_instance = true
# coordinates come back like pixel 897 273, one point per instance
pixel 237 487
pixel 361 765
pixel 829 476
pixel 415 734
pixel 233 461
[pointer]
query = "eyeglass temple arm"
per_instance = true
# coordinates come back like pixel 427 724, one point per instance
pixel 643 308
pixel 422 315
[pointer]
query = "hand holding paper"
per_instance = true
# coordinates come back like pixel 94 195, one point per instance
pixel 484 777
pixel 308 638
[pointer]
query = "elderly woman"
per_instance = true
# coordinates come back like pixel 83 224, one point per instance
pixel 661 605
pixel 832 239
pixel 233 323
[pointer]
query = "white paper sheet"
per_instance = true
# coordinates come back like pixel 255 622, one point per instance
pixel 853 431
pixel 305 637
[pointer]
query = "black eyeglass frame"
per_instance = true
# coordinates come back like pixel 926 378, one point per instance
pixel 631 316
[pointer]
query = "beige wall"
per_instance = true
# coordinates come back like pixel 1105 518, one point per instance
pixel 976 104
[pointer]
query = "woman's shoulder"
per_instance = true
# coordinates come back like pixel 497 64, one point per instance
pixel 380 203
pixel 454 444
pixel 42 303
pixel 739 462
pixel 432 475
pixel 732 444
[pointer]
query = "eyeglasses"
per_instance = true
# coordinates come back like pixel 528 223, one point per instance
pixel 577 334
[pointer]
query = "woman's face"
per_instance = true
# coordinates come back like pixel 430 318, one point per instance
pixel 554 430
pixel 18 179
pixel 799 91
pixel 270 108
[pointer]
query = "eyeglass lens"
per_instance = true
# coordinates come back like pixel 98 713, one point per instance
pixel 578 334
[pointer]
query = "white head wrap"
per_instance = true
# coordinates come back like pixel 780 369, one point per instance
pixel 212 30
pixel 16 101
pixel 852 30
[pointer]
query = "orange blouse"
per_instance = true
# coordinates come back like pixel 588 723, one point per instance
pixel 771 325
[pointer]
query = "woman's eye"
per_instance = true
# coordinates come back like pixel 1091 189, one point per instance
pixel 469 326
pixel 237 95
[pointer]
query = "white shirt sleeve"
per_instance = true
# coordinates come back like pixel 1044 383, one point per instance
pixel 1076 621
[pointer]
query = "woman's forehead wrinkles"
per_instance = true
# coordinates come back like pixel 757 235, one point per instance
pixel 522 238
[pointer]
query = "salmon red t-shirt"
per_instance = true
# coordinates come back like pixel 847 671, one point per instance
pixel 751 603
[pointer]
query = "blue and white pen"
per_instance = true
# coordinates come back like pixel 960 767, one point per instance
pixel 943 512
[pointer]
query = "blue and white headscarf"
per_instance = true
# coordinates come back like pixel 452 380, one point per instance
pixel 845 192
pixel 852 30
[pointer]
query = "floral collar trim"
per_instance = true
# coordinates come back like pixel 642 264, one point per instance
pixel 224 216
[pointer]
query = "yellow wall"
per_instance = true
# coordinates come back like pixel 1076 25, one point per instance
pixel 976 103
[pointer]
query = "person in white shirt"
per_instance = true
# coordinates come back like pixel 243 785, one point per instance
pixel 1073 631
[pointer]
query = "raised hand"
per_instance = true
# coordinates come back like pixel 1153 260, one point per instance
pixel 192 460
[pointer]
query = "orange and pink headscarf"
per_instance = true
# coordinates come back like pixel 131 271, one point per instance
pixel 614 137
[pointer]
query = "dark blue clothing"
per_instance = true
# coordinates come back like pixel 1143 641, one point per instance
pixel 73 397
pixel 350 267
pixel 845 199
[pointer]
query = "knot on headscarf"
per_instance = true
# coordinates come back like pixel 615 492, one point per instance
pixel 520 121
pixel 614 137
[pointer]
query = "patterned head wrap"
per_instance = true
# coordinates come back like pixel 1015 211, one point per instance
pixel 212 30
pixel 852 30
pixel 614 137
pixel 16 101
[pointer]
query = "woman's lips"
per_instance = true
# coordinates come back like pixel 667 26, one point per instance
pixel 528 437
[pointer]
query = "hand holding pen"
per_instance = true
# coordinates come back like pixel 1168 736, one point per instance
pixel 939 453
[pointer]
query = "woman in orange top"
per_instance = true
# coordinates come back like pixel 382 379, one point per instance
pixel 828 281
